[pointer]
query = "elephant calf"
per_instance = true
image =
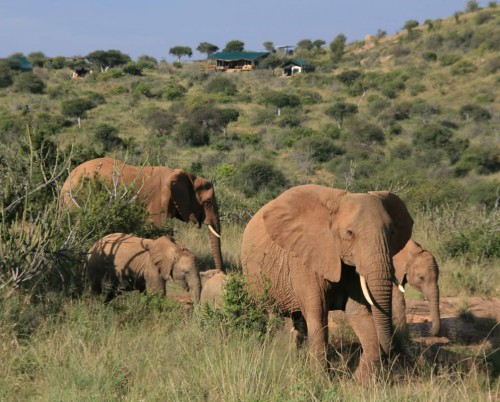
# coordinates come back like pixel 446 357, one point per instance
pixel 211 292
pixel 419 268
pixel 143 264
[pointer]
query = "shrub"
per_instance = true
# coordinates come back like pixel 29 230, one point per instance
pixel 484 159
pixel 76 107
pixel 132 68
pixel 29 82
pixel 463 67
pixel 173 91
pixel 432 136
pixel 401 151
pixel 321 147
pixel 221 85
pixel 366 133
pixel 429 56
pixel 449 59
pixel 474 112
pixel 475 244
pixel 483 16
pixel 6 78
pixel 192 134
pixel 239 313
pixel 159 121
pixel 107 135
pixel 260 176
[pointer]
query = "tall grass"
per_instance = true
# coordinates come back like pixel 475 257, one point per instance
pixel 140 348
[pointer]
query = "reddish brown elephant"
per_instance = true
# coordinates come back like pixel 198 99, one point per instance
pixel 419 268
pixel 315 249
pixel 168 193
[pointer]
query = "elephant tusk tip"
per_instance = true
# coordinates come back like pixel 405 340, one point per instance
pixel 364 288
pixel 401 288
pixel 213 231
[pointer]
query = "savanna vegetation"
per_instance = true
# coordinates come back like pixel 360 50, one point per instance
pixel 417 113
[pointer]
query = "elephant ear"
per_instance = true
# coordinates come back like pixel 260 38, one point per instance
pixel 401 218
pixel 300 222
pixel 182 193
pixel 163 254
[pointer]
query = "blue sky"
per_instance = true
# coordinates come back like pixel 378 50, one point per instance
pixel 152 27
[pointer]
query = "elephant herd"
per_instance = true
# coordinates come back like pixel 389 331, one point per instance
pixel 312 249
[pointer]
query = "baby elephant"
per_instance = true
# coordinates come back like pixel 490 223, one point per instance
pixel 419 268
pixel 141 264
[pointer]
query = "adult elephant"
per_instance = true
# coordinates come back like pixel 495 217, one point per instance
pixel 135 263
pixel 168 193
pixel 315 249
pixel 417 267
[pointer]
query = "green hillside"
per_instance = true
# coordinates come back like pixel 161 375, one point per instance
pixel 417 113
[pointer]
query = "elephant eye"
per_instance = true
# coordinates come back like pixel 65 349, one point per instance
pixel 349 234
pixel 420 276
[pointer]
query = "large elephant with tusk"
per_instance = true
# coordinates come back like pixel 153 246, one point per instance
pixel 167 193
pixel 315 249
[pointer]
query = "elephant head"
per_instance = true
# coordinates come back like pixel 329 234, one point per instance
pixel 175 261
pixel 324 228
pixel 419 268
pixel 193 200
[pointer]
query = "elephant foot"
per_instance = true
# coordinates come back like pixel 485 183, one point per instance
pixel 364 373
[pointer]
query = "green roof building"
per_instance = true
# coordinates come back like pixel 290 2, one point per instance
pixel 235 61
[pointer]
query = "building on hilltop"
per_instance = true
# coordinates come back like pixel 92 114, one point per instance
pixel 235 61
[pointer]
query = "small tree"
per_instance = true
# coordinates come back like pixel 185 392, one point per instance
pixel 227 116
pixel 269 46
pixel 304 44
pixel 29 82
pixel 77 108
pixel 179 51
pixel 471 6
pixel 105 59
pixel 280 100
pixel 234 46
pixel 340 110
pixel 337 47
pixel 410 25
pixel 207 48
pixel 318 43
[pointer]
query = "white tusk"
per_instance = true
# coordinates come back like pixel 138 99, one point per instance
pixel 400 287
pixel 213 231
pixel 365 290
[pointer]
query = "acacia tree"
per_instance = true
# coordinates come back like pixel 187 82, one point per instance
pixel 234 46
pixel 207 48
pixel 280 100
pixel 180 51
pixel 340 110
pixel 104 59
pixel 269 46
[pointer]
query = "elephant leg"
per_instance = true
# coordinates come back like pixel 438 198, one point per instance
pixel 398 309
pixel 155 284
pixel 317 333
pixel 96 285
pixel 362 323
pixel 299 329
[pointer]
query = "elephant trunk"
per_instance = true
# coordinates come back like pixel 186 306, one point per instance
pixel 432 294
pixel 213 222
pixel 380 287
pixel 194 283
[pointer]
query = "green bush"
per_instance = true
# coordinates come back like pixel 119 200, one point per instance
pixel 260 176
pixel 29 82
pixel 432 136
pixel 449 59
pixel 463 67
pixel 221 85
pixel 483 159
pixel 107 135
pixel 132 68
pixel 6 78
pixel 76 107
pixel 191 134
pixel 474 112
pixel 159 121
pixel 475 244
pixel 240 313
pixel 173 91
pixel 321 147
